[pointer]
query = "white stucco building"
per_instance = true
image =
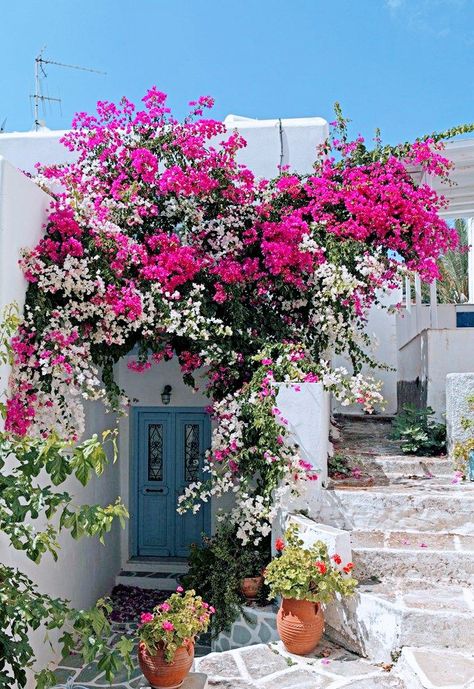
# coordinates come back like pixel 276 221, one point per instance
pixel 421 346
pixel 158 434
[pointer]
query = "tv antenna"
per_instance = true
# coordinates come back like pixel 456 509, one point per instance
pixel 40 74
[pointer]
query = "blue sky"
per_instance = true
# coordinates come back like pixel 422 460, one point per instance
pixel 404 65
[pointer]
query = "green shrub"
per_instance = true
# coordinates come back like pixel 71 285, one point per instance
pixel 418 432
pixel 216 568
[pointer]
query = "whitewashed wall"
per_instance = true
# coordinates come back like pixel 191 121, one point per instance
pixel 86 569
pixel 307 413
pixel 25 149
pixel 431 356
pixel 295 145
pixel 306 408
pixel 382 330
pixel 270 143
pixel 23 211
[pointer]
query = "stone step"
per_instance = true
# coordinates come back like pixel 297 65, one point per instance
pixel 414 555
pixel 431 668
pixel 380 619
pixel 405 465
pixel 168 565
pixel 425 506
pixel 163 581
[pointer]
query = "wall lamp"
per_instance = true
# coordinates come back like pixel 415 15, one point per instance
pixel 166 394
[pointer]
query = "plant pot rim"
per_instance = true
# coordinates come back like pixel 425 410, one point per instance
pixel 300 600
pixel 160 648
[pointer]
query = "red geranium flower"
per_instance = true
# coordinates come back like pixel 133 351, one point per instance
pixel 348 567
pixel 321 566
pixel 337 559
pixel 279 544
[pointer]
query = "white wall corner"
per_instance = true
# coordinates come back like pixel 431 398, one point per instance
pixel 306 407
pixel 310 531
pixel 286 141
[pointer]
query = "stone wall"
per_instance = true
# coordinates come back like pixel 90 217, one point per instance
pixel 254 626
pixel 459 387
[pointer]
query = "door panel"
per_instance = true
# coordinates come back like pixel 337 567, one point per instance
pixel 169 453
pixel 155 524
pixel 192 441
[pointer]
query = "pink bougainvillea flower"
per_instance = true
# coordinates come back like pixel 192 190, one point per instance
pixel 160 241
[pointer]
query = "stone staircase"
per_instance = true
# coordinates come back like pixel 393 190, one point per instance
pixel 412 537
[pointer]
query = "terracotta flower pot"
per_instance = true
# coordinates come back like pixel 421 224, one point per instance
pixel 250 587
pixel 300 625
pixel 163 675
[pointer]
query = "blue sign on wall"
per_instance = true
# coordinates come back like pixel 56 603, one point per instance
pixel 465 319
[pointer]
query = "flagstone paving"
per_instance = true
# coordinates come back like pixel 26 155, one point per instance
pixel 328 667
pixel 256 667
pixel 272 667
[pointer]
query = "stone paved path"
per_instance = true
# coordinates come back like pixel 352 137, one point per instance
pixel 258 667
pixel 329 667
pixel 271 667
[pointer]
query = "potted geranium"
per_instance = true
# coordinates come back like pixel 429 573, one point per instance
pixel 167 636
pixel 305 578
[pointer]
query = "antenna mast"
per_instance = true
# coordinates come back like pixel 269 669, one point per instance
pixel 40 73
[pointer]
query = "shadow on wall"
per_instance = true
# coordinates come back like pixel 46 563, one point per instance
pixel 413 392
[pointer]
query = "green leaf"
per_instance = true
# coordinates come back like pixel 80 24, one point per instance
pixel 58 468
pixel 83 467
pixel 110 664
pixel 45 679
pixel 125 647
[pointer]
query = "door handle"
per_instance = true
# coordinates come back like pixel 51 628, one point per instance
pixel 154 490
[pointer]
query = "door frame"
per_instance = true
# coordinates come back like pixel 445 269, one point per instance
pixel 134 523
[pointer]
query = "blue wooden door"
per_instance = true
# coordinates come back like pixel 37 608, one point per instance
pixel 169 451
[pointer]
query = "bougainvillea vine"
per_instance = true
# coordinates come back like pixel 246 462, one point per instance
pixel 158 239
